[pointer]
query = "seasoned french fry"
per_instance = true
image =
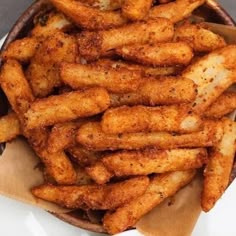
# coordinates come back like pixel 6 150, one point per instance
pixel 16 87
pixel 92 137
pixel 136 9
pixel 99 173
pixel 126 119
pixel 213 74
pixel 10 127
pixel 88 17
pixel 21 50
pixel 160 54
pixel 199 38
pixel 114 80
pixel 83 156
pixel 43 72
pixel 225 104
pixel 20 97
pixel 48 24
pixel 66 107
pixel 94 44
pixel 175 11
pixel 128 163
pixel 217 172
pixel 103 197
pixel 163 91
pixel 104 5
pixel 161 187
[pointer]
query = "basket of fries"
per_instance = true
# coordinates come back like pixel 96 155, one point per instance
pixel 121 105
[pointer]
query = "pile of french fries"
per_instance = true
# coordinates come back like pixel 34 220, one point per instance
pixel 123 101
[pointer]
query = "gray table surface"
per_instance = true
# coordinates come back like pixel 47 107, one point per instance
pixel 10 10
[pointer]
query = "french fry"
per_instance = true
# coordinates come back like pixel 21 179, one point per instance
pixel 114 80
pixel 213 74
pixel 104 5
pixel 199 38
pixel 225 104
pixel 126 119
pixel 92 137
pixel 99 173
pixel 92 45
pixel 128 163
pixel 43 71
pixel 66 107
pixel 20 96
pixel 102 197
pixel 175 11
pixel 159 54
pixel 21 50
pixel 136 10
pixel 161 187
pixel 218 170
pixel 163 91
pixel 10 127
pixel 88 17
pixel 48 24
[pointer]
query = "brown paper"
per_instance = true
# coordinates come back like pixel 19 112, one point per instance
pixel 18 175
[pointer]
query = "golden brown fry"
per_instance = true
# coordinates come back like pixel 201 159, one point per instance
pixel 175 118
pixel 99 173
pixel 128 163
pixel 160 54
pixel 161 187
pixel 88 17
pixel 212 74
pixel 21 50
pixel 136 9
pixel 80 76
pixel 199 38
pixel 92 45
pixel 217 172
pixel 163 91
pixel 175 11
pixel 92 137
pixel 16 87
pixel 225 104
pixel 43 72
pixel 48 24
pixel 104 5
pixel 10 127
pixel 66 107
pixel 103 197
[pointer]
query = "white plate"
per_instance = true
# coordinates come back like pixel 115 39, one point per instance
pixel 17 218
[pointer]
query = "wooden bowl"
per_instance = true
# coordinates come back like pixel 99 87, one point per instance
pixel 211 11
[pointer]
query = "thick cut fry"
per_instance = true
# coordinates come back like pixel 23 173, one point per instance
pixel 21 50
pixel 114 80
pixel 213 74
pixel 225 104
pixel 217 172
pixel 160 188
pixel 175 11
pixel 10 127
pixel 160 54
pixel 94 44
pixel 140 118
pixel 102 197
pixel 16 87
pixel 66 107
pixel 136 9
pixel 92 137
pixel 88 17
pixel 163 91
pixel 199 38
pixel 99 173
pixel 128 163
pixel 104 5
pixel 43 72
pixel 47 24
